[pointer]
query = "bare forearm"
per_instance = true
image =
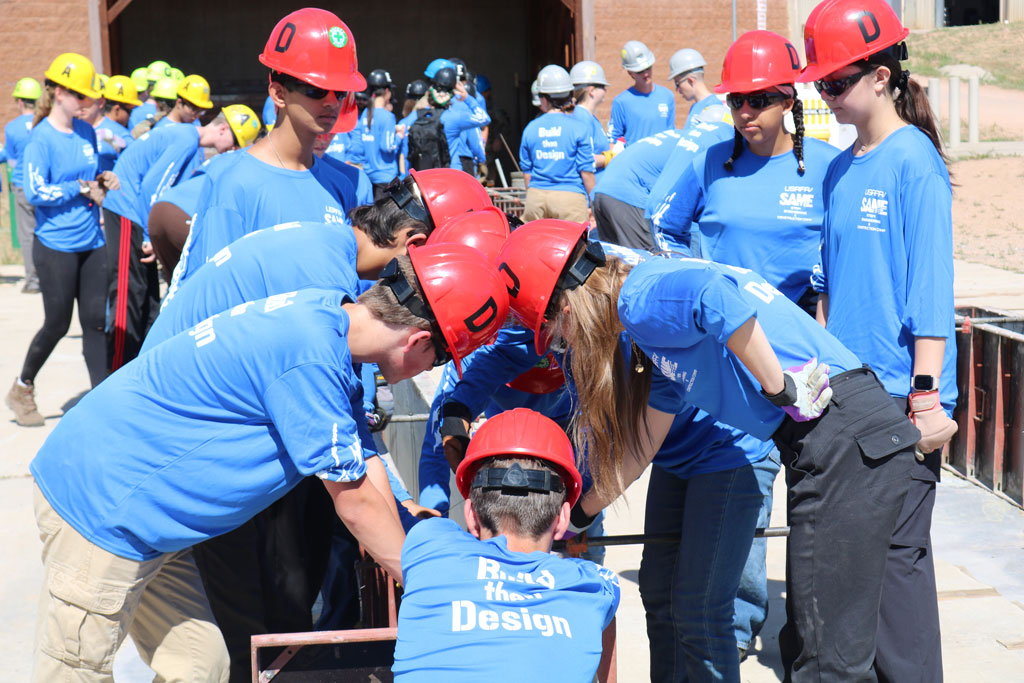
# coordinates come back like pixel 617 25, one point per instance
pixel 588 181
pixel 822 313
pixel 751 346
pixel 379 478
pixel 365 512
pixel 928 355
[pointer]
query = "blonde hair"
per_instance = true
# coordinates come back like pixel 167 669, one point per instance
pixel 44 105
pixel 612 393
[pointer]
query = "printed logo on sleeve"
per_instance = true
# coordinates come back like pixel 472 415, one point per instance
pixel 874 211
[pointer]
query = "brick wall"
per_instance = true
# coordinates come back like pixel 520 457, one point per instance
pixel 32 33
pixel 669 25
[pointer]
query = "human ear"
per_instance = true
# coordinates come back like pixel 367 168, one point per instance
pixel 561 523
pixel 276 92
pixel 472 523
pixel 418 239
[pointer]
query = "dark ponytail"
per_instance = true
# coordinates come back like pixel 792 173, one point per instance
pixel 737 149
pixel 911 101
pixel 798 136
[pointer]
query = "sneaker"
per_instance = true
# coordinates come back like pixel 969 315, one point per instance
pixel 22 401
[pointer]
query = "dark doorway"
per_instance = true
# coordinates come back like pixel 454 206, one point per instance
pixel 971 12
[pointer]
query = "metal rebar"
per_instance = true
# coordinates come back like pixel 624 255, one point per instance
pixel 634 539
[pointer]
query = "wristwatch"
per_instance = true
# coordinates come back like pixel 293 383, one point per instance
pixel 924 382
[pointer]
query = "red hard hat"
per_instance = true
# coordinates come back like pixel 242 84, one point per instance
pixel 466 294
pixel 348 117
pixel 532 259
pixel 759 60
pixel 447 192
pixel 543 378
pixel 521 433
pixel 315 46
pixel 485 229
pixel 841 32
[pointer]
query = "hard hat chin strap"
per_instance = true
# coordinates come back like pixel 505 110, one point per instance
pixel 405 294
pixel 515 481
pixel 409 201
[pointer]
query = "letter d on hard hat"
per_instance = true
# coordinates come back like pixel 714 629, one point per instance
pixel 636 56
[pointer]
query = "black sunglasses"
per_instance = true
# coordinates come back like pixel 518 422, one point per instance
pixel 837 86
pixel 77 94
pixel 756 100
pixel 293 84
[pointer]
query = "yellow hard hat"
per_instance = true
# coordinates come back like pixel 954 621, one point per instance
pixel 27 89
pixel 196 90
pixel 165 89
pixel 101 82
pixel 177 75
pixel 157 70
pixel 74 72
pixel 121 89
pixel 244 123
pixel 139 78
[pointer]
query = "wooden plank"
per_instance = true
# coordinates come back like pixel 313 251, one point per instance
pixel 116 9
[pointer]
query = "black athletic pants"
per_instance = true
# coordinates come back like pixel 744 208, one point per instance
pixel 133 296
pixel 848 474
pixel 264 576
pixel 65 277
pixel 621 223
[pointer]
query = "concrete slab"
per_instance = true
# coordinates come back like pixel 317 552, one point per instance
pixel 976 284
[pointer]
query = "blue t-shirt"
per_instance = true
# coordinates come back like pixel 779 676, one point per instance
pixel 380 145
pixel 66 220
pixel 681 313
pixel 185 195
pixel 761 215
pixel 598 135
pixel 16 134
pixel 554 150
pixel 887 257
pixel 710 110
pixel 696 137
pixel 475 611
pixel 483 390
pixel 109 153
pixel 152 164
pixel 210 428
pixel 144 112
pixel 458 117
pixel 256 195
pixel 271 261
pixel 636 115
pixel 356 176
pixel 631 175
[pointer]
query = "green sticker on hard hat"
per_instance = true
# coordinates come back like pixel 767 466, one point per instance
pixel 337 36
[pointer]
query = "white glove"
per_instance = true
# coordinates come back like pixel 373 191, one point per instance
pixel 806 393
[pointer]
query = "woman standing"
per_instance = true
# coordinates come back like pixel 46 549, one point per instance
pixel 886 284
pixel 589 88
pixel 379 134
pixel 756 200
pixel 555 155
pixel 723 336
pixel 63 183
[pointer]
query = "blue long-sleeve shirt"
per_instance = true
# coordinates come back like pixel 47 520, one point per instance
pixel 16 135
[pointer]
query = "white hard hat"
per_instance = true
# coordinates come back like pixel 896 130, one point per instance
pixel 554 80
pixel 636 56
pixel 534 94
pixel 587 73
pixel 684 61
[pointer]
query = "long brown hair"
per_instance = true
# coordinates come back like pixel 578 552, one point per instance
pixel 911 101
pixel 612 393
pixel 45 102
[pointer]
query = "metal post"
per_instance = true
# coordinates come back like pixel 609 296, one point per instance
pixel 934 97
pixel 940 13
pixel 954 111
pixel 972 110
pixel 734 21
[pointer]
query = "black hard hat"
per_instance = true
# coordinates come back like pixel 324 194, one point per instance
pixel 444 79
pixel 462 71
pixel 416 89
pixel 378 79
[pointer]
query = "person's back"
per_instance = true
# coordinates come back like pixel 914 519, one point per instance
pixel 496 604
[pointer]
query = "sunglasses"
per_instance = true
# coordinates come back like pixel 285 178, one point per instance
pixel 303 88
pixel 77 94
pixel 837 86
pixel 756 100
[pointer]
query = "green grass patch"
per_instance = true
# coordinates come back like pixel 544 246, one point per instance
pixel 997 48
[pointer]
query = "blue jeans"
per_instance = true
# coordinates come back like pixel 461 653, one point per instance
pixel 752 596
pixel 689 589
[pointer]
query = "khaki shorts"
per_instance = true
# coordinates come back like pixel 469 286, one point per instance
pixel 91 599
pixel 567 206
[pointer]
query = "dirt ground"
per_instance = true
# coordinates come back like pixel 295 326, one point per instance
pixel 988 212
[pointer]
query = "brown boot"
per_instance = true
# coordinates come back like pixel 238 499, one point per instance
pixel 23 402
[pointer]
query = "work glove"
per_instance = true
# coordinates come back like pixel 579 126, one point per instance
pixel 806 393
pixel 930 419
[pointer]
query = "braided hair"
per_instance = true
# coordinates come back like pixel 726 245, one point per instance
pixel 798 138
